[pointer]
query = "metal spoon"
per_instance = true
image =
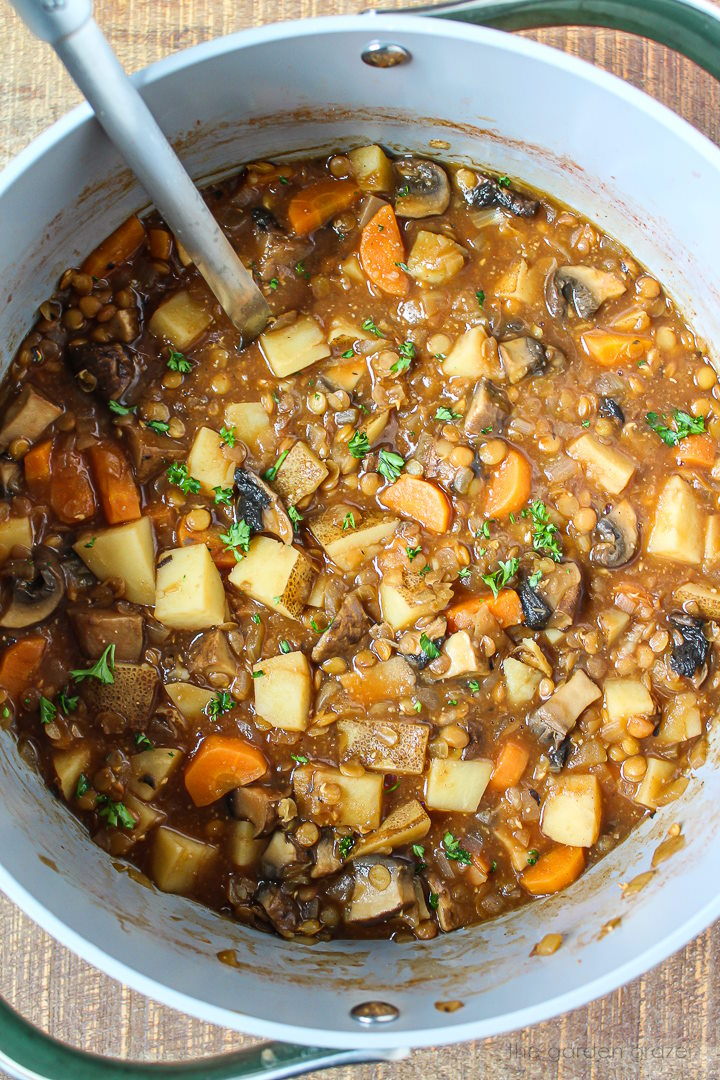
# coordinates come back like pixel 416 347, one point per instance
pixel 69 27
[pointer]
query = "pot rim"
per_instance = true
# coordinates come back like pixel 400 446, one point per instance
pixel 371 24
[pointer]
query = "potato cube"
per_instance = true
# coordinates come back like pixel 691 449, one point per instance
pixel 294 347
pixel 250 421
pixel 209 462
pixel 468 358
pixel 124 551
pixel 242 848
pixel 190 700
pixel 384 745
pixel 404 602
pixel 282 690
pixel 658 775
pixel 180 320
pixel 572 811
pixel 27 417
pixel 464 657
pixel 346 374
pixel 678 531
pixel 68 765
pixel 151 770
pixel 521 681
pixel 435 258
pixel 358 807
pixel 277 575
pixel 405 825
pixel 189 592
pixel 458 786
pixel 178 861
pixel 608 468
pixel 350 536
pixel 612 622
pixel 301 473
pixel 372 168
pixel 15 532
pixel 712 540
pixel 681 720
pixel 625 698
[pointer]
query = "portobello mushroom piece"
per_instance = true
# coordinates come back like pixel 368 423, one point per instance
pixel 449 911
pixel 279 909
pixel 113 367
pixel 619 537
pixel 260 507
pixel 489 193
pixel 488 410
pixel 609 407
pixel 126 702
pixel 522 356
pixel 557 716
pixel 347 628
pixel 383 888
pixel 27 417
pixel 282 858
pixel 587 288
pixel 11 476
pixel 210 653
pixel 423 189
pixel 690 647
pixel 95 629
pixel 37 588
pixel 264 220
pixel 558 753
pixel 327 859
pixel 535 611
pixel 149 451
pixel 258 805
pixel 561 591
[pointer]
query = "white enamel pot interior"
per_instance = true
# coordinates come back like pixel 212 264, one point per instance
pixel 520 109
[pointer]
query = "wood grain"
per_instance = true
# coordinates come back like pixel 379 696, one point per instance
pixel 660 1027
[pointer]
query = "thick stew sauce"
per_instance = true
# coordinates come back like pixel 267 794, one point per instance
pixel 399 616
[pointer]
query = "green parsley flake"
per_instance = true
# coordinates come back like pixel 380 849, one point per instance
pixel 223 496
pixel 480 297
pixel 116 814
pixel 349 520
pixel 359 444
pixel 160 427
pixel 300 269
pixel 257 674
pixel 500 577
pixel 102 669
pixel 533 856
pixel 178 362
pixel 433 901
pixel 295 516
pixel 464 573
pixel 90 543
pixel 67 704
pixel 219 704
pixel 545 532
pixel 273 283
pixel 237 536
pixel 83 786
pixel 447 415
pixel 345 846
pixel 474 686
pixel 503 181
pixel 227 436
pixel 412 552
pixel 285 646
pixel 454 851
pixel 272 472
pixel 390 465
pixel 142 742
pixel 534 579
pixel 347 355
pixel 407 355
pixel 371 327
pixel 256 618
pixel 429 647
pixel 178 476
pixel 121 410
pixel 403 191
pixel 685 424
pixel 47 711
pixel 300 758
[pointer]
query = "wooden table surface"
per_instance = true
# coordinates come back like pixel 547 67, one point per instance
pixel 661 1026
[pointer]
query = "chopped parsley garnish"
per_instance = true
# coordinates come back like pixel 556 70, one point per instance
pixel 407 355
pixel 67 704
pixel 102 669
pixel 464 573
pixel 359 445
pixel 433 900
pixel 390 465
pixel 273 283
pixel 393 787
pixel 403 191
pixel 237 536
pixel 121 410
pixel 219 704
pixel 177 474
pixel 500 577
pixel 83 786
pixel 447 415
pixel 315 626
pixel 300 758
pixel 178 362
pixel 503 181
pixel 474 686
pixel 285 646
pixel 486 430
pixel 425 570
pixel 454 850
pixel 256 618
pixel 586 423
pixel 429 647
pixel 347 355
pixel 257 674
pixel 419 852
pixel 372 328
pixel 300 269
pixel 295 516
pixel 545 532
pixel 142 742
pixel 533 856
pixel 223 496
pixel 90 543
pixel 349 520
pixel 160 427
pixel 484 529
pixel 417 706
pixel 345 846
pixel 534 579
pixel 412 552
pixel 403 266
pixel 272 472
pixel 480 297
pixel 116 814
pixel 685 425
pixel 227 436
pixel 47 711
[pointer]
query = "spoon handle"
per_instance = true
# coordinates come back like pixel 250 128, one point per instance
pixel 69 27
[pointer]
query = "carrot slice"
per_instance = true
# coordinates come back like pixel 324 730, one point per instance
pixel 221 556
pixel 19 662
pixel 36 464
pixel 116 248
pixel 506 608
pixel 71 493
pixel 420 500
pixel 510 765
pixel 695 451
pixel 222 763
pixel 612 349
pixel 119 495
pixel 554 870
pixel 315 205
pixel 509 488
pixel 382 251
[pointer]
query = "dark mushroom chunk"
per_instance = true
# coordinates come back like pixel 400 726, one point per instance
pixel 11 476
pixel 690 647
pixel 327 858
pixel 423 189
pixel 449 910
pixel 210 654
pixel 149 451
pixel 95 629
pixel 609 407
pixel 37 588
pixel 558 753
pixel 587 288
pixel 258 805
pixel 489 193
pixel 555 718
pixel 535 611
pixel 618 537
pixel 522 356
pixel 27 417
pixel 561 590
pixel 279 909
pixel 112 368
pixel 260 507
pixel 488 410
pixel 347 628
pixel 383 888
pixel 264 220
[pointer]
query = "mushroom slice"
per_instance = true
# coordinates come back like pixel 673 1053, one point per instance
pixel 264 220
pixel 690 647
pixel 619 537
pixel 131 694
pixel 258 805
pixel 561 590
pixel 489 192
pixel 522 356
pixel 347 628
pixel 699 599
pixel 37 589
pixel 260 507
pixel 488 410
pixel 383 888
pixel 558 715
pixel 587 288
pixel 536 612
pixel 609 407
pixel 423 190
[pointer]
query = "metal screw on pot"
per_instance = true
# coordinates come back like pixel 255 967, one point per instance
pixel 381 55
pixel 375 1012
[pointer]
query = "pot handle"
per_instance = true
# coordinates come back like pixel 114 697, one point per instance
pixel 26 1053
pixel 691 27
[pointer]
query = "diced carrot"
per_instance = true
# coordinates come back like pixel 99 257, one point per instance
pixel 506 608
pixel 116 248
pixel 419 499
pixel 510 765
pixel 18 664
pixel 119 495
pixel 36 464
pixel 159 243
pixel 554 870
pixel 382 252
pixel 611 349
pixel 509 487
pixel 697 451
pixel 315 205
pixel 221 556
pixel 71 494
pixel 223 762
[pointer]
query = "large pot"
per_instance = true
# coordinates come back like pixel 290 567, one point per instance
pixel 470 94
